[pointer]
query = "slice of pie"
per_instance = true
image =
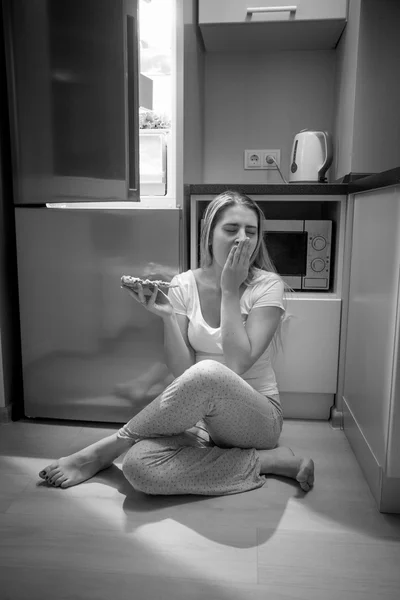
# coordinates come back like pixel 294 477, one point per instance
pixel 147 284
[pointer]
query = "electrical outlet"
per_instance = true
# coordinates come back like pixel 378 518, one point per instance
pixel 276 154
pixel 252 159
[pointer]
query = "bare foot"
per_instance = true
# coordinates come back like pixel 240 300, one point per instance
pixel 282 461
pixel 305 475
pixel 71 470
pixel 82 465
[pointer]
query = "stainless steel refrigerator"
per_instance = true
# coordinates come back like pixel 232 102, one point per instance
pixel 72 77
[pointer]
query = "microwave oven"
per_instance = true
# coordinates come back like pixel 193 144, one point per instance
pixel 300 251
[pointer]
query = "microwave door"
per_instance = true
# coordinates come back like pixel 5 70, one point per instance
pixel 288 252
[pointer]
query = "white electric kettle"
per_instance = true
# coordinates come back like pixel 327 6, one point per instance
pixel 311 157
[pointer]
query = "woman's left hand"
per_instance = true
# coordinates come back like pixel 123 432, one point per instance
pixel 236 267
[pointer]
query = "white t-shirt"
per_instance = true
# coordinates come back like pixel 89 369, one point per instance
pixel 206 341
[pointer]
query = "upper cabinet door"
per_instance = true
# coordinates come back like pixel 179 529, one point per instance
pixel 244 25
pixel 73 80
pixel 237 11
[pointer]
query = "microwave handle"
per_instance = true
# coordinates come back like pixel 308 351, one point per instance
pixel 327 138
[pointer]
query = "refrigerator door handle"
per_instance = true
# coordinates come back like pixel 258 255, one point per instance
pixel 132 107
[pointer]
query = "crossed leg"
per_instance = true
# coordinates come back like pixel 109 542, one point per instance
pixel 243 425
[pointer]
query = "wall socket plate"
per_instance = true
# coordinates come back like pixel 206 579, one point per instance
pixel 252 159
pixel 276 154
pixel 257 159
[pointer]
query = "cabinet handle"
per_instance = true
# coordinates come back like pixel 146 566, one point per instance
pixel 270 9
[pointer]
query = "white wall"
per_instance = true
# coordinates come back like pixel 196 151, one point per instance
pixel 261 100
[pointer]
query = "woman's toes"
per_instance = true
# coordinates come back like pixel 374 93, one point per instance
pixel 57 479
pixel 58 482
pixel 45 473
pixel 54 477
pixel 304 486
pixel 48 471
pixel 305 475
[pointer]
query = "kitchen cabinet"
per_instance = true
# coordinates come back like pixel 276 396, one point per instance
pixel 371 399
pixel 367 57
pixel 236 11
pixel 308 364
pixel 271 24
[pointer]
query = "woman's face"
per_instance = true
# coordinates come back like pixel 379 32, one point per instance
pixel 236 223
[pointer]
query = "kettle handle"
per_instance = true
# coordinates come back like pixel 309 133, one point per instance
pixel 328 154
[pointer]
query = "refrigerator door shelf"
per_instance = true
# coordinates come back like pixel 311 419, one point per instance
pixel 153 161
pixel 84 339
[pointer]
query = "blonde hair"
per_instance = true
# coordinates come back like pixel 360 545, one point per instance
pixel 260 260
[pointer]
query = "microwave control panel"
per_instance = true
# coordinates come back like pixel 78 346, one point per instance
pixel 319 242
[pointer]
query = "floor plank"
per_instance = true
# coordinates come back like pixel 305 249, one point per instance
pixel 103 539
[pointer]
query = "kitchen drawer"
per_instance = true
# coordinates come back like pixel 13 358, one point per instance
pixel 227 26
pixel 235 11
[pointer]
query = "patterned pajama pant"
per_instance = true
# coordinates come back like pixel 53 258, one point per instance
pixel 169 456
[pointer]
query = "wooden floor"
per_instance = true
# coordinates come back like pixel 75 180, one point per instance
pixel 103 540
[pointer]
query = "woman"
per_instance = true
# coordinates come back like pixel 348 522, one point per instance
pixel 219 323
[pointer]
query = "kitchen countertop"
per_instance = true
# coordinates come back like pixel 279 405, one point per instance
pixel 292 189
pixel 350 184
pixel 374 181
